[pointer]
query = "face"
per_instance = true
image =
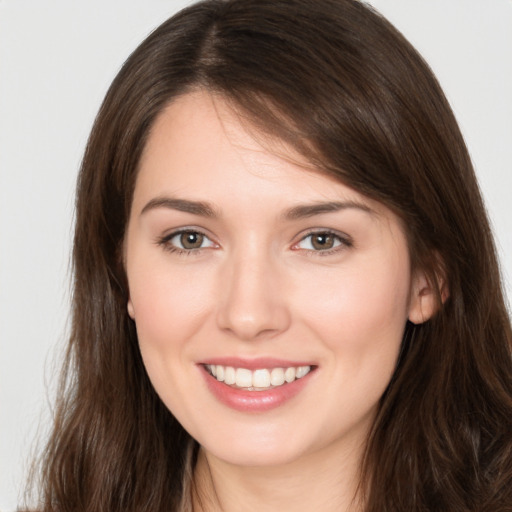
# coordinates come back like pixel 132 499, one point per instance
pixel 270 300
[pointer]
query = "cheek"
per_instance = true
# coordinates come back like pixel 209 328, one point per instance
pixel 169 304
pixel 362 311
pixel 169 311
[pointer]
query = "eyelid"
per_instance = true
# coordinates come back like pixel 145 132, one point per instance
pixel 345 241
pixel 165 240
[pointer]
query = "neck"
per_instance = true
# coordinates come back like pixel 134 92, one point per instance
pixel 326 481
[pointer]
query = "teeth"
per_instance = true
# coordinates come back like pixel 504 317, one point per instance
pixel 258 379
pixel 229 375
pixel 261 379
pixel 243 378
pixel 277 377
pixel 289 374
pixel 301 371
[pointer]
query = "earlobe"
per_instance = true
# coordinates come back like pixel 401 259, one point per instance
pixel 130 309
pixel 426 298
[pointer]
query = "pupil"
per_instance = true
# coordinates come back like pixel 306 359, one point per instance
pixel 191 240
pixel 323 241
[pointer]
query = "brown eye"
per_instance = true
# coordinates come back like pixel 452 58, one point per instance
pixel 188 241
pixel 322 241
pixel 191 240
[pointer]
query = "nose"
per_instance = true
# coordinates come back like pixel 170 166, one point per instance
pixel 253 301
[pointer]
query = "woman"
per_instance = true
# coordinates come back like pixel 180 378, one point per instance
pixel 286 292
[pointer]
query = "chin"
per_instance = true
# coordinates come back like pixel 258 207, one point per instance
pixel 257 456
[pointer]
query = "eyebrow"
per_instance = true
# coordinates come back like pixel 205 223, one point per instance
pixel 183 205
pixel 205 209
pixel 310 210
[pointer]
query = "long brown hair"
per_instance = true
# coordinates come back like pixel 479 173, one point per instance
pixel 337 82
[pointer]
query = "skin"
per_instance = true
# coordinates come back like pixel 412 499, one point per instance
pixel 257 287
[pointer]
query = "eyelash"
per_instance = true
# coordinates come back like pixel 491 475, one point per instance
pixel 342 242
pixel 165 242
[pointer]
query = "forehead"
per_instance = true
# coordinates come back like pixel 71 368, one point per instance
pixel 200 134
pixel 199 125
pixel 199 148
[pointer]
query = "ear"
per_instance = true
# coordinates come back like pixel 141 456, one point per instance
pixel 426 297
pixel 130 309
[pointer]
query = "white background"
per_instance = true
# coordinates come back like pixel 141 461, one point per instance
pixel 57 59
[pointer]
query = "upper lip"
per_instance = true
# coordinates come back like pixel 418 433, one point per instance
pixel 255 364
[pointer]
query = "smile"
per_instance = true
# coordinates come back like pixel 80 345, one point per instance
pixel 259 379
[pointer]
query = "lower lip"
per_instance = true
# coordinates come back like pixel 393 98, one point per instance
pixel 254 401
